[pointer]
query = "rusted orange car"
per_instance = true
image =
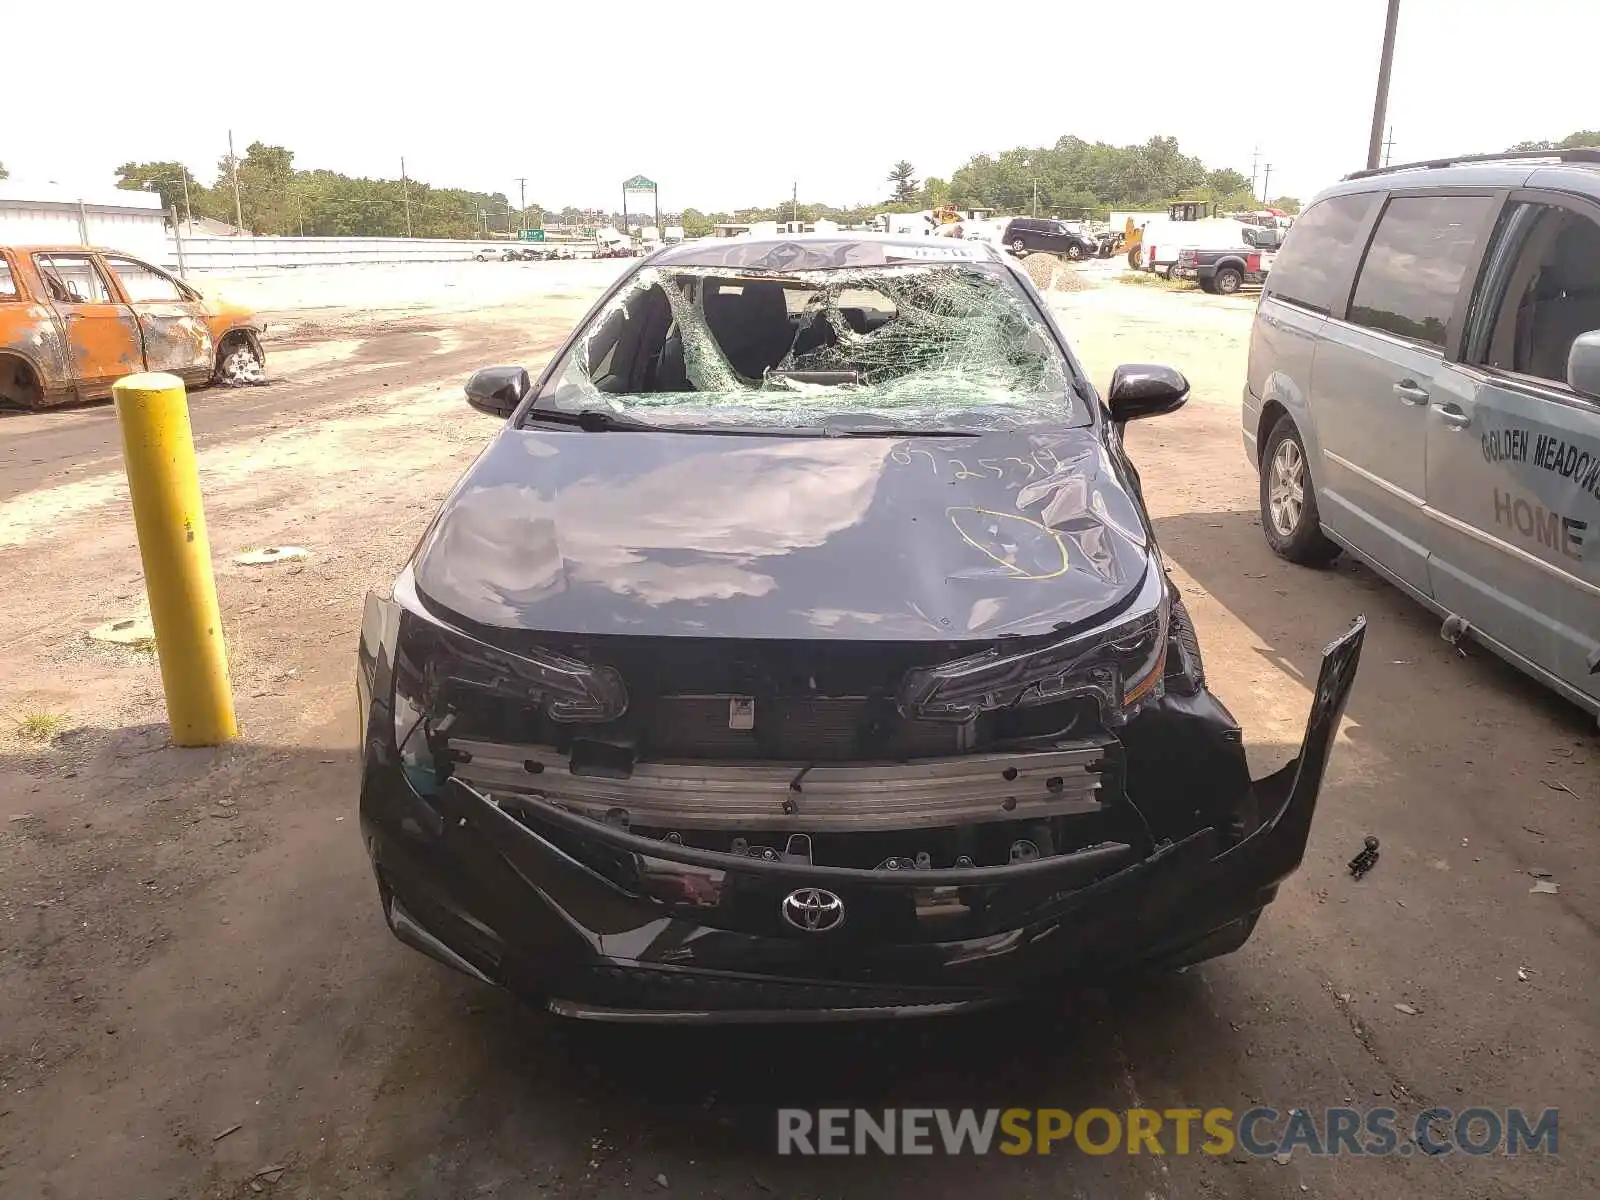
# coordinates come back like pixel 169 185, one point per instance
pixel 74 320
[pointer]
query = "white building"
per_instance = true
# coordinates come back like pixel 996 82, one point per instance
pixel 49 214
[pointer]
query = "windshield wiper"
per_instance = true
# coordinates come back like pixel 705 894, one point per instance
pixel 893 431
pixel 595 420
pixel 599 420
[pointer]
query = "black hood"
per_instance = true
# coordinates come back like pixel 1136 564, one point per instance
pixel 862 538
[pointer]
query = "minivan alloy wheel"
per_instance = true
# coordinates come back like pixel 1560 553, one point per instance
pixel 1286 490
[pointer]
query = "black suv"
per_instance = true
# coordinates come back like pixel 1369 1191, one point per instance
pixel 1029 235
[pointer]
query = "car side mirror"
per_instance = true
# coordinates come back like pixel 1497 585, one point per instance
pixel 1140 390
pixel 498 390
pixel 1583 364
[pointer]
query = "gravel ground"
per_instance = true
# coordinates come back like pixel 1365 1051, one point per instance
pixel 200 998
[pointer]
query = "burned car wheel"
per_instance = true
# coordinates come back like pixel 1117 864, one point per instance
pixel 721 687
pixel 239 363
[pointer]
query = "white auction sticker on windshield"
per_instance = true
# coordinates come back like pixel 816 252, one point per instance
pixel 954 250
pixel 741 712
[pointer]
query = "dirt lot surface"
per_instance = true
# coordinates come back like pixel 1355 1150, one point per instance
pixel 200 999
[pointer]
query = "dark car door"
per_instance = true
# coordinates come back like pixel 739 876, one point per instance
pixel 1053 237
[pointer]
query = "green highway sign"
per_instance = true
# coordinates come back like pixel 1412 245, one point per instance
pixel 639 184
pixel 532 235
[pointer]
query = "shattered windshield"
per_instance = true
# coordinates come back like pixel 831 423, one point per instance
pixel 946 345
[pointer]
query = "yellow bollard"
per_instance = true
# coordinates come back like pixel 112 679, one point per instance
pixel 164 484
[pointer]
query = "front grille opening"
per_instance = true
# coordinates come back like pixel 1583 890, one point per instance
pixel 794 729
pixel 990 844
pixel 703 700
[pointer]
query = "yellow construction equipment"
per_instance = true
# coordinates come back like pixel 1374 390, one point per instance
pixel 1131 239
pixel 164 486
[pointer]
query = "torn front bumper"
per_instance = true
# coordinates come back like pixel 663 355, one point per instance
pixel 605 923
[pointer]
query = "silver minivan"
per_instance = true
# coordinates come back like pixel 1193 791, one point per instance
pixel 1424 393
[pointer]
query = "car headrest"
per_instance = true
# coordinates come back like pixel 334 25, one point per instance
pixel 1575 259
pixel 757 304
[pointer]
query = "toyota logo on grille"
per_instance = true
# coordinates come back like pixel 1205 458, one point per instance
pixel 813 910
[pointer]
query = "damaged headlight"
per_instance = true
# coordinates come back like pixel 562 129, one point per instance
pixel 439 669
pixel 457 668
pixel 1120 666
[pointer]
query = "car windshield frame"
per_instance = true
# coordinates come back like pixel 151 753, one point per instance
pixel 1041 384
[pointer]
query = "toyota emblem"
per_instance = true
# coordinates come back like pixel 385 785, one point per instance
pixel 813 910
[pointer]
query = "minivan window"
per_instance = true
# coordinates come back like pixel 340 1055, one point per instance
pixel 1545 295
pixel 1317 255
pixel 1422 249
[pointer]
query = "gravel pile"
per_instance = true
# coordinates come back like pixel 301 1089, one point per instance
pixel 1051 273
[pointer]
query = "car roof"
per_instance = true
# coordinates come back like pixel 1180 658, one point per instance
pixel 821 251
pixel 62 249
pixel 1528 169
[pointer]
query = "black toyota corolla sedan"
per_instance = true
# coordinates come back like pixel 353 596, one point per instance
pixel 799 649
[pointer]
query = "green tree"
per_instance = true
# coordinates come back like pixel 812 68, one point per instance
pixel 935 192
pixel 1583 137
pixel 265 199
pixel 696 223
pixel 4 174
pixel 165 178
pixel 903 177
pixel 1288 204
pixel 1074 177
pixel 1226 181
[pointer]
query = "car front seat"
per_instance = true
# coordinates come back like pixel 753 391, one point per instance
pixel 1569 303
pixel 751 323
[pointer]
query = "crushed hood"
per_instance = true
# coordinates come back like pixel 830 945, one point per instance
pixel 870 538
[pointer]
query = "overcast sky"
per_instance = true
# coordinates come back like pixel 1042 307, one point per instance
pixel 727 104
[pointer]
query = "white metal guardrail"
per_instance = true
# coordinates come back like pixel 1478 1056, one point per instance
pixel 245 253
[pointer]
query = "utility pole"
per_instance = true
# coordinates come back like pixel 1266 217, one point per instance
pixel 1255 158
pixel 522 208
pixel 1266 185
pixel 794 203
pixel 1388 146
pixel 405 192
pixel 1380 104
pixel 233 165
pixel 1036 196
